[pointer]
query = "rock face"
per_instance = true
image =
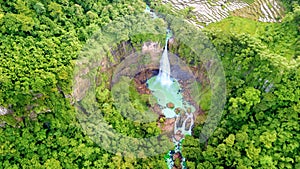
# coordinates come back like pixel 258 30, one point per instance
pixel 152 48
pixel 141 78
pixel 207 12
pixel 168 126
pixel 85 66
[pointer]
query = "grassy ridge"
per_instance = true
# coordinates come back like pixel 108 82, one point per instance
pixel 234 24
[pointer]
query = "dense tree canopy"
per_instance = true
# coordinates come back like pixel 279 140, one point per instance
pixel 40 40
pixel 260 126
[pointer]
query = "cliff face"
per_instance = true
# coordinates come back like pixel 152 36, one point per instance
pixel 209 11
pixel 122 61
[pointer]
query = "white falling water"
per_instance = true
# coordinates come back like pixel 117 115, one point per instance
pixel 164 68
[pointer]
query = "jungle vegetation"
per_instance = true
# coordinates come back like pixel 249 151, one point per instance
pixel 40 41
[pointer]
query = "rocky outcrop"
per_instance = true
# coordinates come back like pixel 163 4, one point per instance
pixel 178 135
pixel 141 78
pixel 152 48
pixel 170 105
pixel 168 126
pixel 3 111
pixel 177 158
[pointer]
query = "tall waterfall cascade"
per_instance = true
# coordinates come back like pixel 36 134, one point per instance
pixel 164 68
pixel 167 91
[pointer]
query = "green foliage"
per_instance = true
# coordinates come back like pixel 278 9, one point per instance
pixel 289 4
pixel 205 101
pixel 139 101
pixel 259 128
pixel 9 119
pixel 234 24
pixel 282 39
pixel 40 40
pixel 248 1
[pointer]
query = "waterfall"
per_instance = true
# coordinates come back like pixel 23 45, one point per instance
pixel 166 90
pixel 164 68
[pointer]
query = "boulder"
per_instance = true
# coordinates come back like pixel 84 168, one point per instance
pixel 178 136
pixel 3 111
pixel 178 110
pixel 170 105
pixel 189 110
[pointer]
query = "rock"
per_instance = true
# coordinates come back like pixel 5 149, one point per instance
pixel 188 125
pixel 19 119
pixel 177 158
pixel 177 155
pixel 181 119
pixel 170 105
pixel 141 78
pixel 171 40
pixel 189 110
pixel 168 126
pixel 178 110
pixel 2 124
pixel 178 136
pixel 177 163
pixel 3 111
pixel 156 108
pixel 33 115
pixel 161 119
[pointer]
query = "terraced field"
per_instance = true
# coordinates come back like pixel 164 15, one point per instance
pixel 209 11
pixel 262 10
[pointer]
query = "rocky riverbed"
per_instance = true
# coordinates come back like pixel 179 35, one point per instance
pixel 167 124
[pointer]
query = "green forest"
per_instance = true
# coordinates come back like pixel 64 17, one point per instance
pixel 41 41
